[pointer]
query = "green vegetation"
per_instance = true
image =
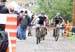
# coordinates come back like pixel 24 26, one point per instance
pixel 72 38
pixel 51 7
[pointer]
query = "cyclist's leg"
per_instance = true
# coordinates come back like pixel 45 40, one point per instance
pixel 56 34
pixel 29 31
pixel 37 26
pixel 53 32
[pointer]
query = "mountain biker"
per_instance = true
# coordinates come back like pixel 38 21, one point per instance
pixel 57 19
pixel 42 21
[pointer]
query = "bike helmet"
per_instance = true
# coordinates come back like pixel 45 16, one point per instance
pixel 57 14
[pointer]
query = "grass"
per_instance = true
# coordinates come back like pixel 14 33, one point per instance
pixel 72 38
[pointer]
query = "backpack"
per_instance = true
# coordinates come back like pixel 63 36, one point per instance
pixel 3 41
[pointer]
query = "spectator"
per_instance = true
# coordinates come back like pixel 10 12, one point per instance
pixel 20 17
pixel 67 28
pixel 29 23
pixel 3 8
pixel 23 26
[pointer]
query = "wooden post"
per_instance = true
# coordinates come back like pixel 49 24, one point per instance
pixel 73 13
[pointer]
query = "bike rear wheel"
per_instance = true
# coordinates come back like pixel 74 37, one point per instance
pixel 57 37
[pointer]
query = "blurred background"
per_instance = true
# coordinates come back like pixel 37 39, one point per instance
pixel 50 7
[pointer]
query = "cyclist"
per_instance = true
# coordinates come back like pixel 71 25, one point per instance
pixel 42 21
pixel 57 19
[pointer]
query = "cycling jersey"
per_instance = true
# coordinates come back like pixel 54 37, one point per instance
pixel 41 20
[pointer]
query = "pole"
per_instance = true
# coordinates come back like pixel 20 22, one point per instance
pixel 73 13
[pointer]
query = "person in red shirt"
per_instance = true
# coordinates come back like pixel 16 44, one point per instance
pixel 20 17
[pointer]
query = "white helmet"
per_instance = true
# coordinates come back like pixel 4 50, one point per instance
pixel 58 14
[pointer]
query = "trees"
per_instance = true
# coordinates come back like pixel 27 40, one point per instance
pixel 51 7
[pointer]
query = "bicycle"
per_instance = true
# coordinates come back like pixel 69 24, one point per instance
pixel 56 33
pixel 40 34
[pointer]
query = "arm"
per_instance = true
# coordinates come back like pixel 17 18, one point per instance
pixel 34 19
pixel 46 16
pixel 62 19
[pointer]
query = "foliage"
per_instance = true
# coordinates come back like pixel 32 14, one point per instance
pixel 51 7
